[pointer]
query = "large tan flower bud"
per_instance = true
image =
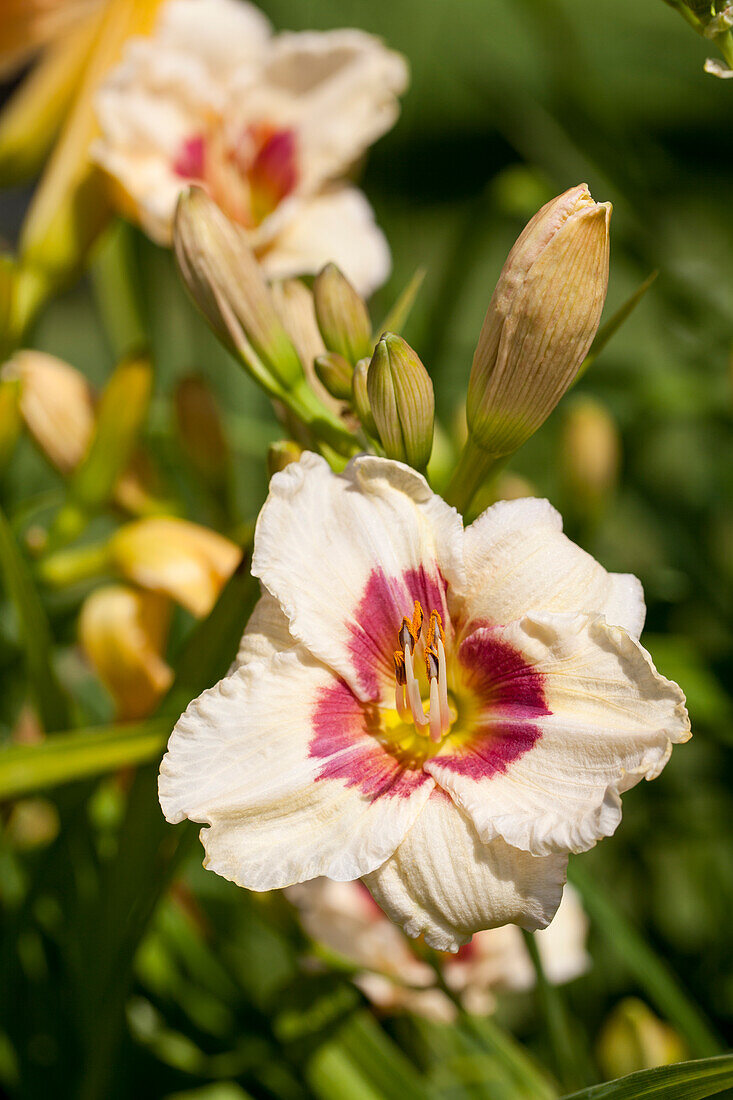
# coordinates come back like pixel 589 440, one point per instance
pixel 541 321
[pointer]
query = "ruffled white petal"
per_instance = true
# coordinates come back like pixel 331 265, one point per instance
pixel 443 883
pixel 518 560
pixel 336 226
pixel 337 90
pixel 613 720
pixel 224 34
pixel 267 633
pixel 338 553
pixel 241 761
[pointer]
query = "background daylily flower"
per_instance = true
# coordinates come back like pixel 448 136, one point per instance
pixel 270 126
pixel 443 713
pixel 343 918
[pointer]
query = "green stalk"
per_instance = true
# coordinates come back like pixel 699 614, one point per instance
pixel 521 1069
pixel 475 466
pixel 569 1061
pixel 79 563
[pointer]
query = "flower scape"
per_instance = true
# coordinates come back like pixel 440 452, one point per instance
pixel 356 621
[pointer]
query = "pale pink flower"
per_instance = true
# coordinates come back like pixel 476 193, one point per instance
pixel 269 125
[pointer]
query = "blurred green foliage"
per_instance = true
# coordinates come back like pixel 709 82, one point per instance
pixel 114 986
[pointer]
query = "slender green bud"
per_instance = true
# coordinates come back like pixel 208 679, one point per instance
pixel 342 315
pixel 226 283
pixel 540 322
pixel 281 454
pixel 335 373
pixel 402 401
pixel 360 397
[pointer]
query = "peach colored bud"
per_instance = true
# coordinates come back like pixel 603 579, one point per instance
pixel 183 560
pixel 541 321
pixel 226 283
pixel 56 404
pixel 123 633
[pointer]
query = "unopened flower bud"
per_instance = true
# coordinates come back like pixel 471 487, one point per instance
pixel 342 315
pixel 402 401
pixel 591 452
pixel 123 633
pixel 56 404
pixel 172 556
pixel 281 454
pixel 335 373
pixel 226 283
pixel 541 321
pixel 633 1038
pixel 360 397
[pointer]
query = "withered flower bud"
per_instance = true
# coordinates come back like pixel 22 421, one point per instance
pixel 402 401
pixel 342 315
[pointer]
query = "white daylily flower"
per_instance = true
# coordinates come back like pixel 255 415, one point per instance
pixel 270 126
pixel 342 917
pixel 451 764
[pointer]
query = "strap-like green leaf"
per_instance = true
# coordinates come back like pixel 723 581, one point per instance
pixel 70 756
pixel 684 1081
pixel 34 630
pixel 640 960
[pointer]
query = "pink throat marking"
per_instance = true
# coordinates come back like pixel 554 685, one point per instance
pixel 510 692
pixel 250 180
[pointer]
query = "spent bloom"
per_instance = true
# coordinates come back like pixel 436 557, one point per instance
pixel 444 713
pixel 268 125
pixel 123 633
pixel 343 918
pixel 57 406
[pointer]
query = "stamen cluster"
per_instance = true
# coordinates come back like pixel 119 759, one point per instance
pixel 408 696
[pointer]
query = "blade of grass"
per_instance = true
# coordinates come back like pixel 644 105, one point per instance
pixel 613 324
pixel 397 317
pixel 35 632
pixel 68 757
pixel 684 1081
pixel 651 973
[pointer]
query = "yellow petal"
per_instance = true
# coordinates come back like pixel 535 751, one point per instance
pixel 123 633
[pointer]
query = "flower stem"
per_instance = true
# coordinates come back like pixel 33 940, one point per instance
pixel 474 466
pixel 80 563
pixel 569 1062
